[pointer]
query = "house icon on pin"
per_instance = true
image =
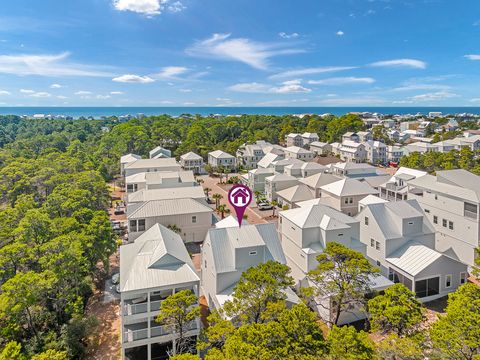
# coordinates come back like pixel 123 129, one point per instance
pixel 240 197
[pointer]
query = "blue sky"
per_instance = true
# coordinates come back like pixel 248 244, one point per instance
pixel 240 53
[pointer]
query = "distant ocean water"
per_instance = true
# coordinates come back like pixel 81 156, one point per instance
pixel 98 112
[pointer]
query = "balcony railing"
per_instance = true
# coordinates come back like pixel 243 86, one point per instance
pixel 471 214
pixel 155 305
pixel 135 335
pixel 132 309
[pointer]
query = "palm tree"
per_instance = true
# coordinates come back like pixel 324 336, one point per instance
pixel 223 209
pixel 200 181
pixel 174 228
pixel 207 191
pixel 274 204
pixel 226 172
pixel 217 198
pixel 257 195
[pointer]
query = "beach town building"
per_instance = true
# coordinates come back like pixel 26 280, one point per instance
pixel 219 158
pixel 159 180
pixel 151 165
pixel 193 162
pixel 159 152
pixel 152 268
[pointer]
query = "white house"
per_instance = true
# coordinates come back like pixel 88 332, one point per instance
pixel 151 165
pixel 193 162
pixel 266 161
pixel 315 182
pixel 376 152
pixel 126 159
pixel 396 187
pixel 294 140
pixel 305 232
pixel 308 138
pixel 255 179
pixel 159 180
pixel 152 268
pixel 192 192
pixel 191 217
pixel 353 170
pixel 277 182
pixel 219 158
pixel 401 241
pixel 345 194
pixel 293 195
pixel 228 252
pixel 320 148
pixel 159 152
pixel 295 152
pixel 451 201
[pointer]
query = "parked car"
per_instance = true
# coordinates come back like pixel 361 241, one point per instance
pixel 117 289
pixel 265 206
pixel 119 210
pixel 210 200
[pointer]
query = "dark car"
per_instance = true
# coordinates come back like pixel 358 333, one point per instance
pixel 210 200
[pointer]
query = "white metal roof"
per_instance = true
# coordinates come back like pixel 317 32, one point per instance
pixel 167 207
pixel 158 258
pixel 129 158
pixel 194 192
pixel 152 163
pixel 229 221
pixel 349 187
pixel 296 193
pixel 413 257
pixel 191 156
pixel 219 154
pixel 318 180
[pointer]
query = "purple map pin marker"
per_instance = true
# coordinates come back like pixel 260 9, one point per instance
pixel 240 197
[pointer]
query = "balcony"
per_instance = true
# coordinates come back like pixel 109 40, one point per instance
pixel 136 332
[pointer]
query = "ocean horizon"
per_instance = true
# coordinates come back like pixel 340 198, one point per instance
pixel 98 112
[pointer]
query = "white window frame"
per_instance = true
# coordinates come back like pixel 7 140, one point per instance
pixel 448 276
pixel 464 275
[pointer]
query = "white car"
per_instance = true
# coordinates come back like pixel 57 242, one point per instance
pixel 115 278
pixel 265 206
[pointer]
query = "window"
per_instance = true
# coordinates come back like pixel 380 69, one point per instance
pixel 252 253
pixel 427 287
pixel 366 220
pixel 410 223
pixel 436 197
pixel 470 210
pixel 372 242
pixel 427 211
pixel 351 200
pixel 463 278
pixel 378 263
pixel 448 281
pixel 444 223
pixel 340 234
pixel 346 200
pixel 435 219
pixel 133 225
pixel 450 225
pixel 194 219
pixel 377 245
pixel 205 264
pixel 141 225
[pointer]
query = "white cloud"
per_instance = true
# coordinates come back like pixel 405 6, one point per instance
pixel 354 101
pixel 83 92
pixel 250 87
pixel 340 33
pixel 148 7
pixel 413 87
pixel 56 86
pixel 287 87
pixel 116 92
pixel 410 63
pixel 402 102
pixel 169 72
pixel 185 90
pixel 4 92
pixel 175 7
pixel 252 53
pixel 288 36
pixel 188 103
pixel 439 95
pixel 131 78
pixel 46 65
pixel 290 87
pixel 41 94
pixel 310 71
pixel 343 81
pixel 103 97
pixel 223 99
pixel 62 97
pixel 27 91
pixel 475 100
pixel 473 57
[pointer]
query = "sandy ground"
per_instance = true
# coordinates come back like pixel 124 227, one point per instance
pixel 104 305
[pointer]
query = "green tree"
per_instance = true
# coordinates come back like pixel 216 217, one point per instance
pixel 51 355
pixel 344 275
pixel 456 334
pixel 178 312
pixel 394 347
pixel 259 293
pixel 12 351
pixel 346 343
pixel 397 310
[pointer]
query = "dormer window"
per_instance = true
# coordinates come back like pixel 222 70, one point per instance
pixel 252 253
